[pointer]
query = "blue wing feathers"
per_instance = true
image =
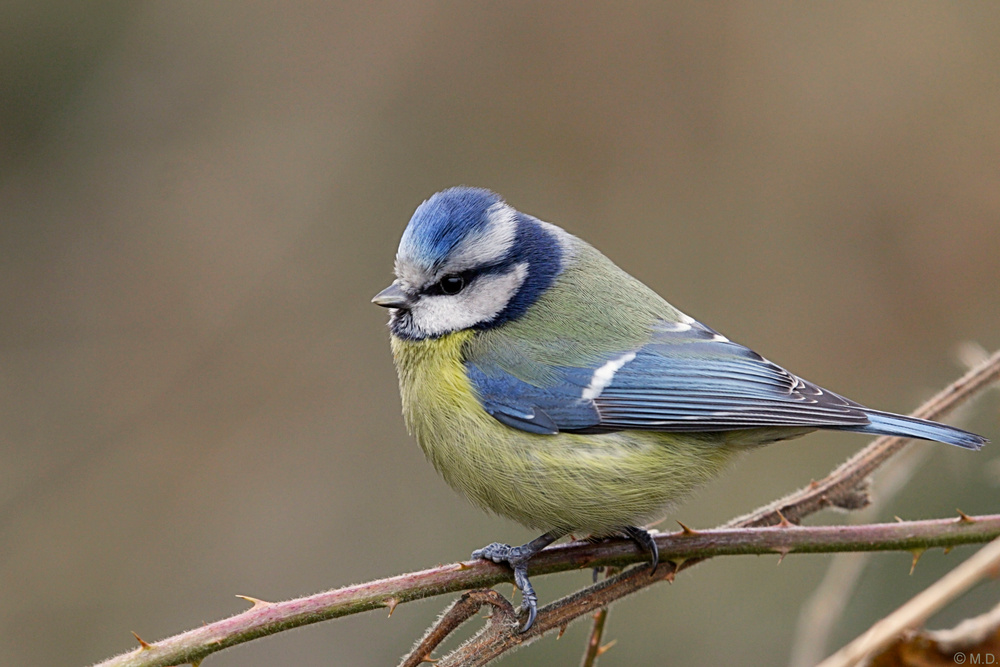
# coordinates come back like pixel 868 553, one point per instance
pixel 887 423
pixel 537 421
pixel 683 380
pixel 528 407
pixel 724 386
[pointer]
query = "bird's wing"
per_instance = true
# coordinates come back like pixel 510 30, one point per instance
pixel 687 378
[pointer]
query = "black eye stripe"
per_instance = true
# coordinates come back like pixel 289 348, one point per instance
pixel 451 284
pixel 467 277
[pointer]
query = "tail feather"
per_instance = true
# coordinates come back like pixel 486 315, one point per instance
pixel 887 423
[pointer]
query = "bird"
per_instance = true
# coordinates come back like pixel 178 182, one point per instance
pixel 549 386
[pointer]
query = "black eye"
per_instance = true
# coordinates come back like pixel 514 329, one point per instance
pixel 452 284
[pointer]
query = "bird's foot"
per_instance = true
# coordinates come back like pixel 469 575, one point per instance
pixel 517 558
pixel 646 542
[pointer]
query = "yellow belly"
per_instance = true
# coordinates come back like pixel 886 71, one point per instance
pixel 587 483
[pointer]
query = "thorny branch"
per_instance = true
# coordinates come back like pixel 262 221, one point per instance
pixel 266 618
pixel 594 648
pixel 678 551
pixel 459 612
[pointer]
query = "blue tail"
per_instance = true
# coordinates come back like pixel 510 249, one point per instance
pixel 887 423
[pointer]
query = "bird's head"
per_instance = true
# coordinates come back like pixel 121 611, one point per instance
pixel 467 260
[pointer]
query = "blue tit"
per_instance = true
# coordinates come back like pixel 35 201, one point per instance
pixel 551 387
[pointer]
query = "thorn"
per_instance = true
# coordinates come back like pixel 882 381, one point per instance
pixel 142 644
pixel 391 603
pixel 669 578
pixel 784 523
pixel 686 531
pixel 917 553
pixel 947 550
pixel 897 518
pixel 428 658
pixel 654 524
pixel 257 604
pixel 813 484
pixel 782 552
pixel 963 517
pixel 462 565
pixel 562 630
pixel 607 647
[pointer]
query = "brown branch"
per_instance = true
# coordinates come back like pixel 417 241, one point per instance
pixel 594 648
pixel 458 613
pixel 974 641
pixel 266 618
pixel 492 642
pixel 970 632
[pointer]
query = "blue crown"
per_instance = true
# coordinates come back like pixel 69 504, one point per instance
pixel 441 222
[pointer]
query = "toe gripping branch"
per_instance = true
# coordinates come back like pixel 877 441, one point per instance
pixel 517 558
pixel 646 542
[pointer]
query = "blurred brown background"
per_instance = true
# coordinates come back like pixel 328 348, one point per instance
pixel 199 200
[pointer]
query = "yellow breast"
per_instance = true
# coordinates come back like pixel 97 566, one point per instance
pixel 437 395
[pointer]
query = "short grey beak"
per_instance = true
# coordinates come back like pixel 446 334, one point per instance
pixel 392 296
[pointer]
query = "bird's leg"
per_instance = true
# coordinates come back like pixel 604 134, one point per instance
pixel 646 543
pixel 517 558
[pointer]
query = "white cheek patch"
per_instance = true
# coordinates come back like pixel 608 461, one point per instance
pixel 490 244
pixel 603 376
pixel 480 302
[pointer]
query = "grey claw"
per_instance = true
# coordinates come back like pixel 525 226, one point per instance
pixel 647 543
pixel 517 558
